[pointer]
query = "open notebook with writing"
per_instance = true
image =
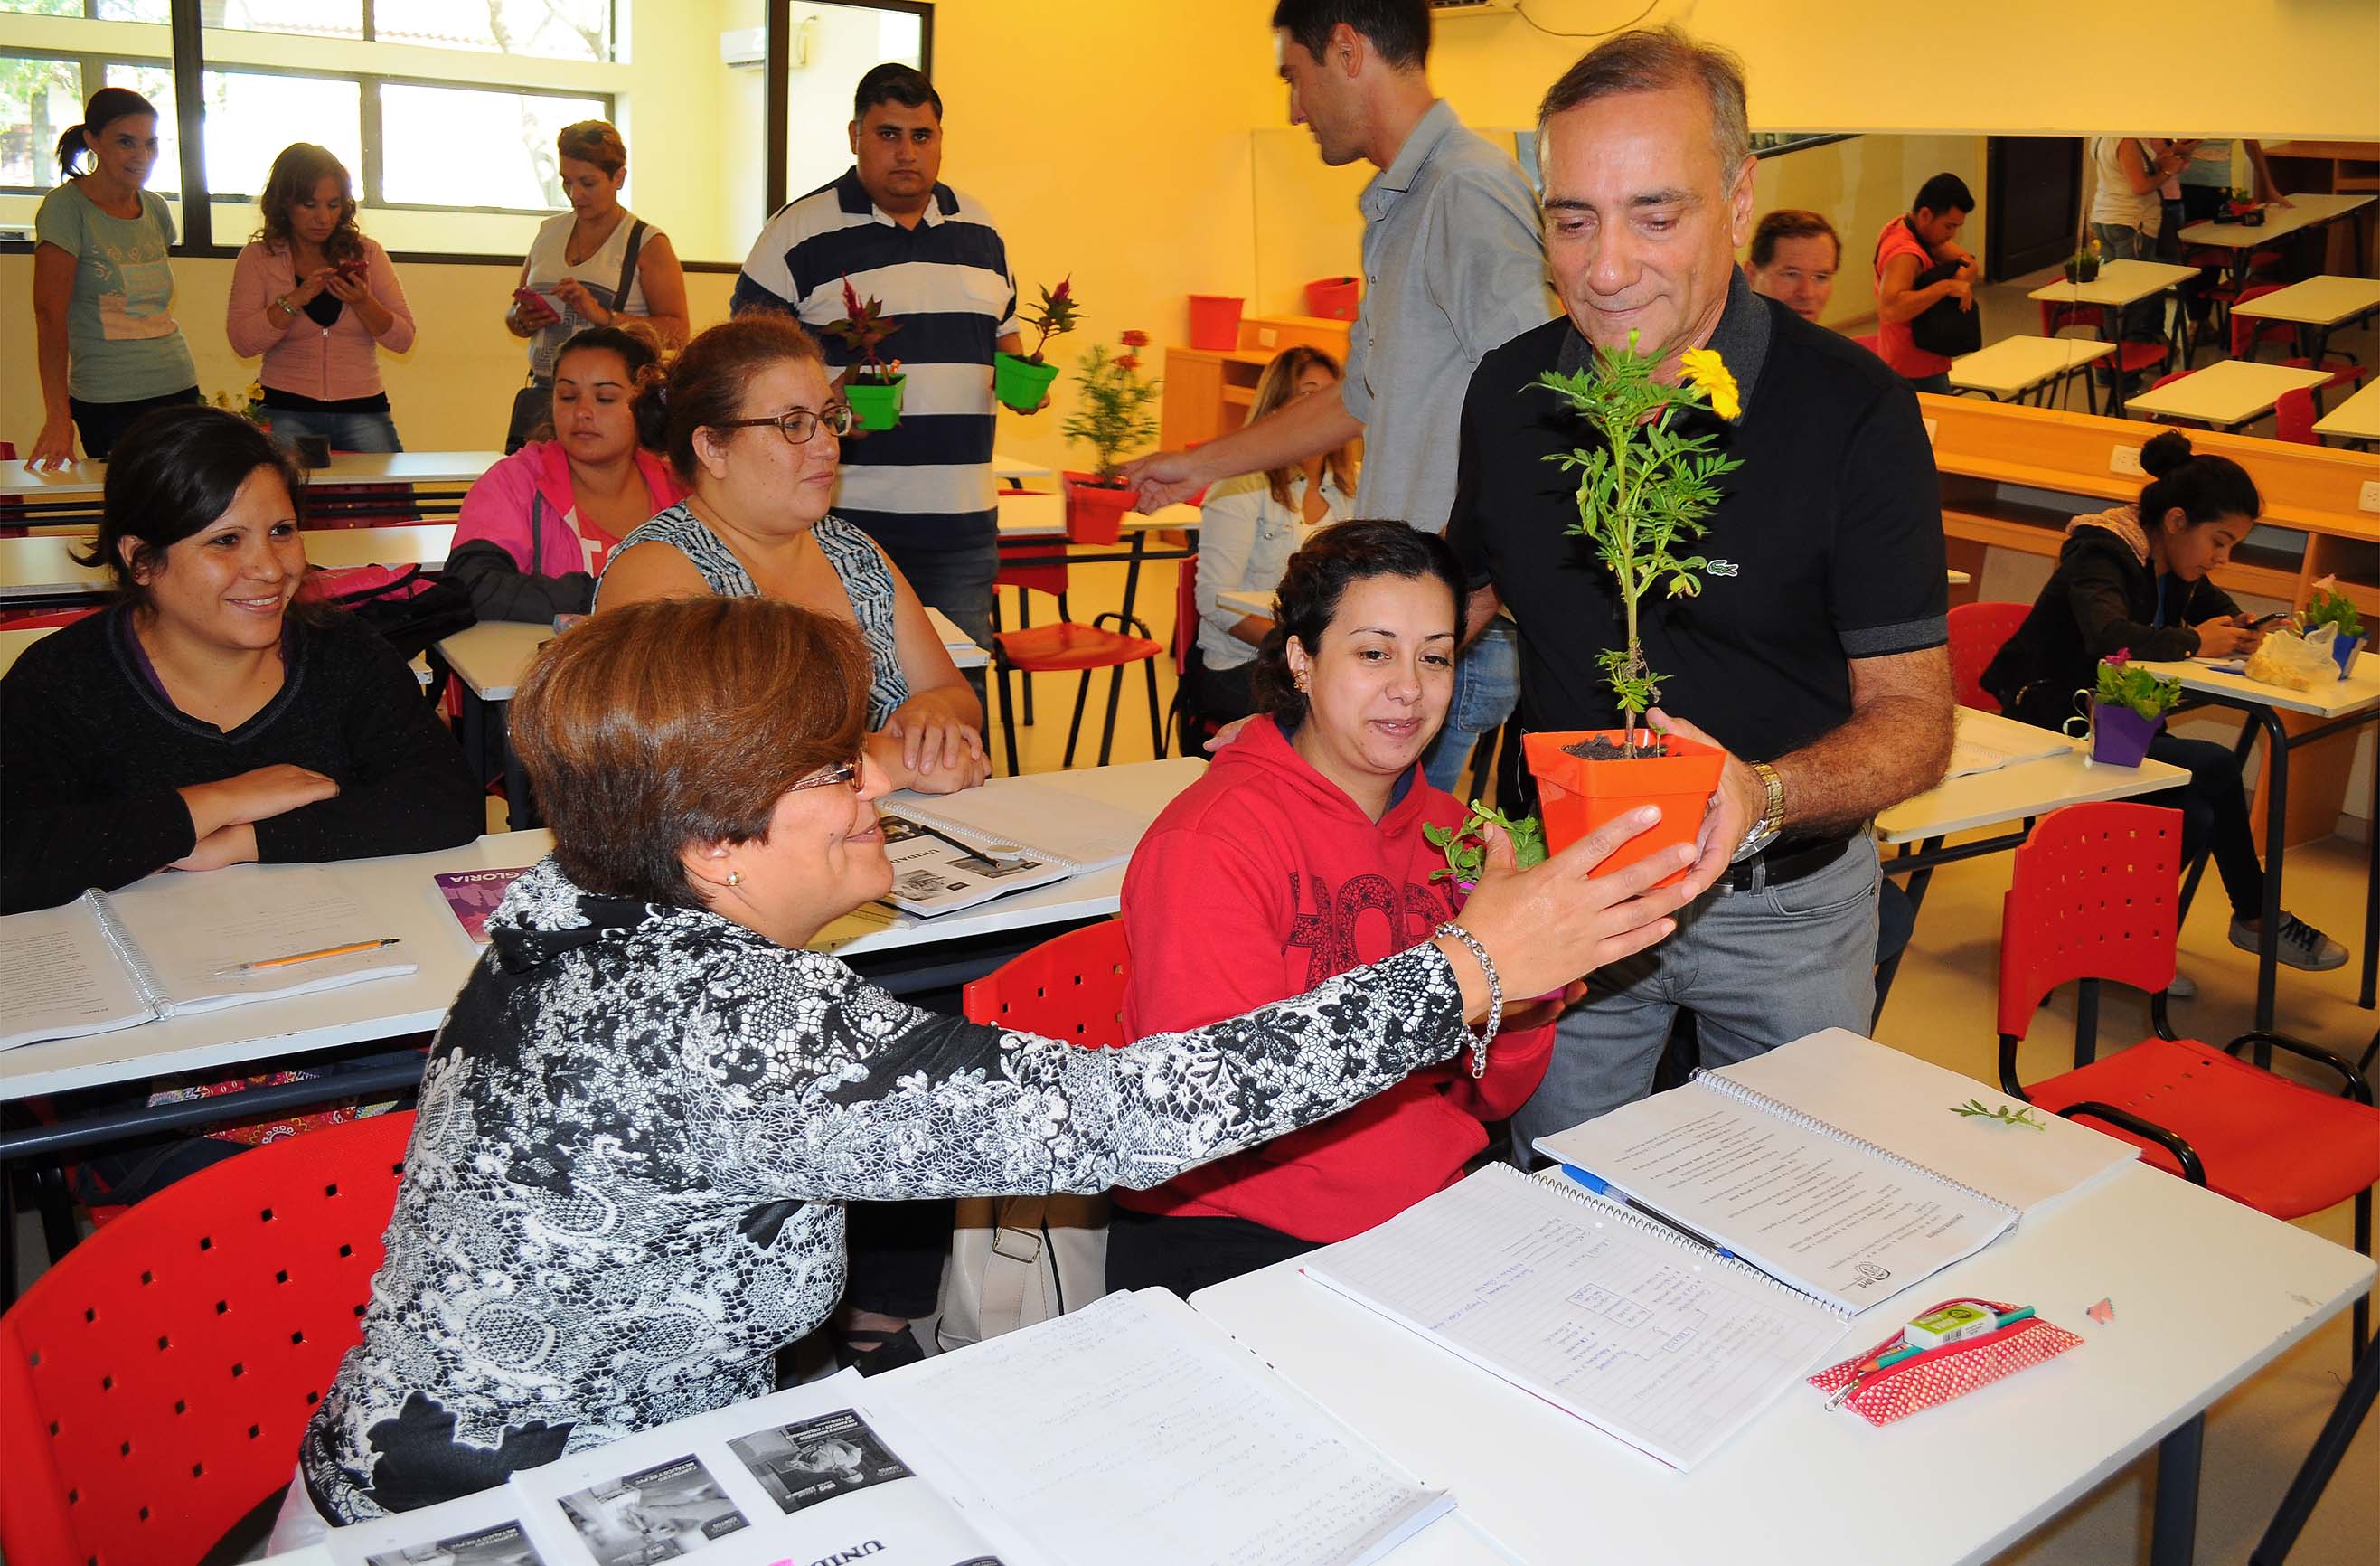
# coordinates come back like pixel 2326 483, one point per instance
pixel 1045 835
pixel 160 946
pixel 1836 1164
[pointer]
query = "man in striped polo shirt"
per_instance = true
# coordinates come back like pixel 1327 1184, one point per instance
pixel 923 490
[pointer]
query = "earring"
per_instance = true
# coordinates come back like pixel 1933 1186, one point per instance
pixel 1304 683
pixel 735 878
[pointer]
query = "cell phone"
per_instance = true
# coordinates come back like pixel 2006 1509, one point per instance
pixel 354 267
pixel 531 296
pixel 2267 622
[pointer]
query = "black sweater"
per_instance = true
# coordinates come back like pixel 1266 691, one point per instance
pixel 91 756
pixel 2103 597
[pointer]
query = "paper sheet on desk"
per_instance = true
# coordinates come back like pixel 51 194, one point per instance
pixel 189 927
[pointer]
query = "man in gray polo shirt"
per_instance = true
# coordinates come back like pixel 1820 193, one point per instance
pixel 1454 267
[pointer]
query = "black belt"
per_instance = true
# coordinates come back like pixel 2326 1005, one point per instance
pixel 1786 863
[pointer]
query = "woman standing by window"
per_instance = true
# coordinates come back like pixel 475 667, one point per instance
pixel 107 343
pixel 319 301
pixel 597 265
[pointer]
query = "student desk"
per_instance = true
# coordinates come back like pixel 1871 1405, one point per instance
pixel 489 660
pixel 2227 394
pixel 436 480
pixel 2015 368
pixel 2120 284
pixel 2316 306
pixel 1801 1486
pixel 40 572
pixel 2357 419
pixel 2337 705
pixel 913 957
pixel 2311 210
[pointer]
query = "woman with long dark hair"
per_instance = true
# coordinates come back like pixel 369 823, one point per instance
pixel 104 327
pixel 319 300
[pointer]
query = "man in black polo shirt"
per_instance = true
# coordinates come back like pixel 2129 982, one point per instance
pixel 1814 653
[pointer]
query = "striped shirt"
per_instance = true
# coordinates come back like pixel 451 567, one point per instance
pixel 925 484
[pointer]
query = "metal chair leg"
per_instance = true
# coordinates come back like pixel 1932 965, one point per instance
pixel 1008 715
pixel 1074 729
pixel 1155 722
pixel 2329 1449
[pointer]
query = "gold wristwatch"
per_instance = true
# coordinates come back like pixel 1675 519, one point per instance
pixel 1772 819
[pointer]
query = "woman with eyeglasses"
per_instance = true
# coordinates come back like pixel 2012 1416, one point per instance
pixel 755 433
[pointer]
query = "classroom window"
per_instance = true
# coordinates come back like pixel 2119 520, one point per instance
pixel 97 11
pixel 40 96
pixel 554 30
pixel 253 116
pixel 450 147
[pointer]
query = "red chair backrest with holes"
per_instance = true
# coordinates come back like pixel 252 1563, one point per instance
pixel 1070 987
pixel 1978 631
pixel 2092 895
pixel 1185 614
pixel 2249 331
pixel 155 1382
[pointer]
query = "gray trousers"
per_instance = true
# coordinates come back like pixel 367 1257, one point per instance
pixel 1757 968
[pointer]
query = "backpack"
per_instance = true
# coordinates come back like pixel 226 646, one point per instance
pixel 406 609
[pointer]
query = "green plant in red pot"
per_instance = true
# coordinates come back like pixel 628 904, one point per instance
pixel 1115 417
pixel 1022 381
pixel 873 387
pixel 1644 488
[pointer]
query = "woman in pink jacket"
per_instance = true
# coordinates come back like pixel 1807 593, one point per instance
pixel 536 529
pixel 319 301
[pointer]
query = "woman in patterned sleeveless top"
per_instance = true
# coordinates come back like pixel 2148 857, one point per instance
pixel 754 431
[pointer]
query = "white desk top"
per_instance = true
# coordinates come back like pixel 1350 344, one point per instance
pixel 400 890
pixel 2226 393
pixel 2118 283
pixel 2317 301
pixel 2332 698
pixel 492 656
pixel 2018 790
pixel 2303 211
pixel 2019 364
pixel 1005 468
pixel 2206 1292
pixel 1035 516
pixel 2356 419
pixel 40 564
pixel 347 468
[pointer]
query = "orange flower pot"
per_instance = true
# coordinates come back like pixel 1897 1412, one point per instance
pixel 1094 512
pixel 1576 795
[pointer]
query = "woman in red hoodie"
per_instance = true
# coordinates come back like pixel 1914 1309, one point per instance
pixel 1297 857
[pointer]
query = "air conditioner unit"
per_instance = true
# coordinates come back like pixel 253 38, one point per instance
pixel 744 48
pixel 1450 8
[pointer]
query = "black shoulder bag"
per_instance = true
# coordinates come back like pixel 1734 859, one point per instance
pixel 534 402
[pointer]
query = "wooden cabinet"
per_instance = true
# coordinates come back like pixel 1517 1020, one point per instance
pixel 1208 393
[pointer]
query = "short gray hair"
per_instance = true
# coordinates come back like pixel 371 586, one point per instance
pixel 1655 59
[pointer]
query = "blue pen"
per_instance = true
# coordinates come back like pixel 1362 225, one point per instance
pixel 1602 1187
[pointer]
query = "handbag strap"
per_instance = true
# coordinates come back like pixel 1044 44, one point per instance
pixel 628 266
pixel 1019 1254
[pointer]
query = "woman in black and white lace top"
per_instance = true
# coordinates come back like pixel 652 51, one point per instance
pixel 755 433
pixel 642 1117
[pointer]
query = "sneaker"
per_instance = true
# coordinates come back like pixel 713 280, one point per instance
pixel 2184 987
pixel 2303 946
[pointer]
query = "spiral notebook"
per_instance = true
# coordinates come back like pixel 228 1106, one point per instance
pixel 1601 1312
pixel 1838 1166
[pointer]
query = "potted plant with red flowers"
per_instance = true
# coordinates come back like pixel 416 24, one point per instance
pixel 1023 381
pixel 1115 417
pixel 2127 710
pixel 2246 210
pixel 1644 489
pixel 874 386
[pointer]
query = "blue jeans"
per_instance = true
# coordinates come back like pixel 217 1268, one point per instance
pixel 957 582
pixel 1486 688
pixel 2142 321
pixel 346 432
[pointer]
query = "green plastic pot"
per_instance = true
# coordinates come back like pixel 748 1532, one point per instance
pixel 1020 383
pixel 876 407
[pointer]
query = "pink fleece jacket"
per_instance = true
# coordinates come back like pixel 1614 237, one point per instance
pixel 328 363
pixel 497 509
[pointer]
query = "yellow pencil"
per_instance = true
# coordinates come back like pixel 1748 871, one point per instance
pixel 310 956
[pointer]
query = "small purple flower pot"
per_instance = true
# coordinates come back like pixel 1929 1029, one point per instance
pixel 2347 649
pixel 2119 736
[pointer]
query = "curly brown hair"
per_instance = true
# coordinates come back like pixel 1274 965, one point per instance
pixel 300 167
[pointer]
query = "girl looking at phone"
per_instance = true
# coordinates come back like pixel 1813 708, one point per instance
pixel 319 301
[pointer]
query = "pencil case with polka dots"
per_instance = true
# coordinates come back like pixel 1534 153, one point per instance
pixel 1942 1374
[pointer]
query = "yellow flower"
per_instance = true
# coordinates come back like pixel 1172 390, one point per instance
pixel 256 392
pixel 1707 372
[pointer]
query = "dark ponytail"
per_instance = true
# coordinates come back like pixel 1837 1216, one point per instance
pixel 2205 487
pixel 107 106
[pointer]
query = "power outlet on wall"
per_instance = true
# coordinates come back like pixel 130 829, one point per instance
pixel 2368 497
pixel 1266 336
pixel 2125 459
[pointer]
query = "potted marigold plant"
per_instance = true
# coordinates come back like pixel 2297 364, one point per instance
pixel 2082 266
pixel 2127 709
pixel 2330 607
pixel 1643 489
pixel 1115 417
pixel 874 386
pixel 1023 381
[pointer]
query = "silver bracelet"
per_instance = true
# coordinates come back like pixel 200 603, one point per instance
pixel 1495 994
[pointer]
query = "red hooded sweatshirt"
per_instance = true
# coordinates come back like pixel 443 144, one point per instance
pixel 1261 880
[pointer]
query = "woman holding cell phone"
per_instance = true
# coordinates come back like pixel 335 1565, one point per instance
pixel 319 301
pixel 598 264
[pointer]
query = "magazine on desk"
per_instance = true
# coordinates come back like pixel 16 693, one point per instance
pixel 1130 1430
pixel 953 851
pixel 1837 1165
pixel 174 944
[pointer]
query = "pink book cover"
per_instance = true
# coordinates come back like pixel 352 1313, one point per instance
pixel 473 895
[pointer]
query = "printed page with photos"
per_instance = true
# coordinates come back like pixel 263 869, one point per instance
pixel 475 1530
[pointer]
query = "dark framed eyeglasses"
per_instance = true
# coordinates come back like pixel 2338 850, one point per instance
pixel 846 776
pixel 798 425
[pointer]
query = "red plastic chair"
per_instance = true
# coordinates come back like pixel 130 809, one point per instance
pixel 2250 333
pixel 2168 418
pixel 1068 647
pixel 1070 987
pixel 2293 418
pixel 1978 631
pixel 155 1381
pixel 2093 896
pixel 42 619
pixel 2056 317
